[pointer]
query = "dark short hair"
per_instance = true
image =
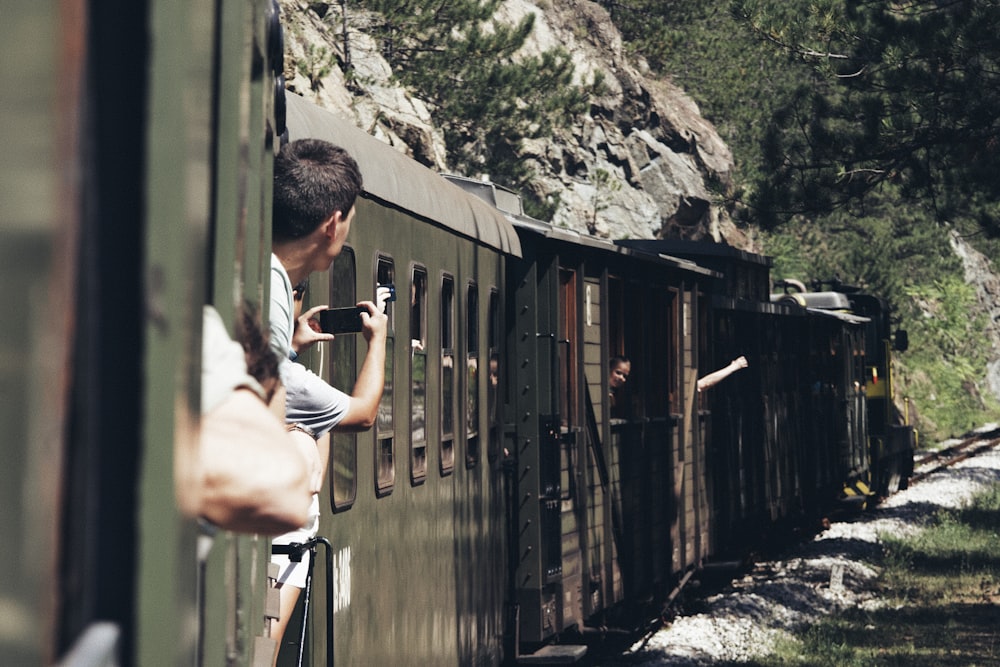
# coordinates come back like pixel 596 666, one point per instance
pixel 312 180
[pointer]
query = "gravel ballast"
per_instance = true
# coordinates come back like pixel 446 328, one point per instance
pixel 817 578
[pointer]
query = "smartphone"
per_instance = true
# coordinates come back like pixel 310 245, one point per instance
pixel 341 320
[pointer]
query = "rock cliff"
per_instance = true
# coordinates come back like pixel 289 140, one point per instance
pixel 638 165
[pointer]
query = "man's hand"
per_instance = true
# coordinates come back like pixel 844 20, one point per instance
pixel 375 322
pixel 307 331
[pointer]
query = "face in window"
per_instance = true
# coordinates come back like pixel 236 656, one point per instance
pixel 618 375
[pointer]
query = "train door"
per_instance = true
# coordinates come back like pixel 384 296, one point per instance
pixel 690 541
pixel 602 491
pixel 655 486
pixel 571 452
pixel 535 496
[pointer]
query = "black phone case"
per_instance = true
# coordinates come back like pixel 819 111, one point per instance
pixel 341 320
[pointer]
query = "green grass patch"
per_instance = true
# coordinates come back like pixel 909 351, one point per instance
pixel 941 594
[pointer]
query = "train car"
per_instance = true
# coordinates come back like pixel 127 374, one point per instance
pixel 892 437
pixel 610 509
pixel 414 509
pixel 138 182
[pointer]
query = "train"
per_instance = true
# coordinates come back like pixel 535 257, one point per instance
pixel 507 504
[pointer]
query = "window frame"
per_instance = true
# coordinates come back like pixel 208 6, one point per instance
pixel 418 353
pixel 449 376
pixel 384 448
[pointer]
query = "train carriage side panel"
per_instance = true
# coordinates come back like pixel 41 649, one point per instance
pixel 532 337
pixel 572 437
pixel 415 511
pixel 185 173
pixel 233 578
pixel 43 222
pixel 134 184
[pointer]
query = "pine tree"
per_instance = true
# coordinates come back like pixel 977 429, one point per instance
pixel 905 95
pixel 485 95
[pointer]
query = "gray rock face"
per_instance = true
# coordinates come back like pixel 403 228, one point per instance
pixel 980 274
pixel 637 166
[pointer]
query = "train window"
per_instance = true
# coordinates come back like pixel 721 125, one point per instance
pixel 673 353
pixel 493 380
pixel 616 409
pixel 385 274
pixel 418 375
pixel 447 374
pixel 342 371
pixel 472 376
pixel 656 369
pixel 704 347
pixel 567 348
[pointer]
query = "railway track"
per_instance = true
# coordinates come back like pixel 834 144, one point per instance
pixel 929 463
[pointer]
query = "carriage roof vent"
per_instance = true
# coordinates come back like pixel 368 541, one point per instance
pixel 817 300
pixel 502 198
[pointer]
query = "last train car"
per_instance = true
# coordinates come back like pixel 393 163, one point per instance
pixel 890 431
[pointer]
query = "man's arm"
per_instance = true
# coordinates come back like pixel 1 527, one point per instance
pixel 721 374
pixel 362 411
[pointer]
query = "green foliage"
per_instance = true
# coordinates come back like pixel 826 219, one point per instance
pixel 901 254
pixel 316 64
pixel 947 348
pixel 485 96
pixel 604 183
pixel 884 248
pixel 961 544
pixel 807 140
pixel 903 94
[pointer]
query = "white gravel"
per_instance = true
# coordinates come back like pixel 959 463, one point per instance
pixel 823 576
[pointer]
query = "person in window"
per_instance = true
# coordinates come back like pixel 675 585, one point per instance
pixel 718 376
pixel 251 477
pixel 316 185
pixel 619 368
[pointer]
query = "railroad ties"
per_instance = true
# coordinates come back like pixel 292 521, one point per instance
pixel 971 445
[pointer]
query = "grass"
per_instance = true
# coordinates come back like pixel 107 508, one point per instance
pixel 941 590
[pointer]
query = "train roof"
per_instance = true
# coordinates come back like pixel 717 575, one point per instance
pixel 840 315
pixel 402 182
pixel 831 304
pixel 745 276
pixel 509 202
pixel 704 252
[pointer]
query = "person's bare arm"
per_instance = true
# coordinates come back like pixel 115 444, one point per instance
pixel 718 376
pixel 363 409
pixel 254 477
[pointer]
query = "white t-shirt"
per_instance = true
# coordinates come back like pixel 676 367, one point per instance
pixel 310 400
pixel 223 363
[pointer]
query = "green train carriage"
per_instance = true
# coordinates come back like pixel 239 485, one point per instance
pixel 145 132
pixel 414 509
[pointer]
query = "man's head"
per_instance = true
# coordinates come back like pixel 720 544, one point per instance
pixel 313 181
